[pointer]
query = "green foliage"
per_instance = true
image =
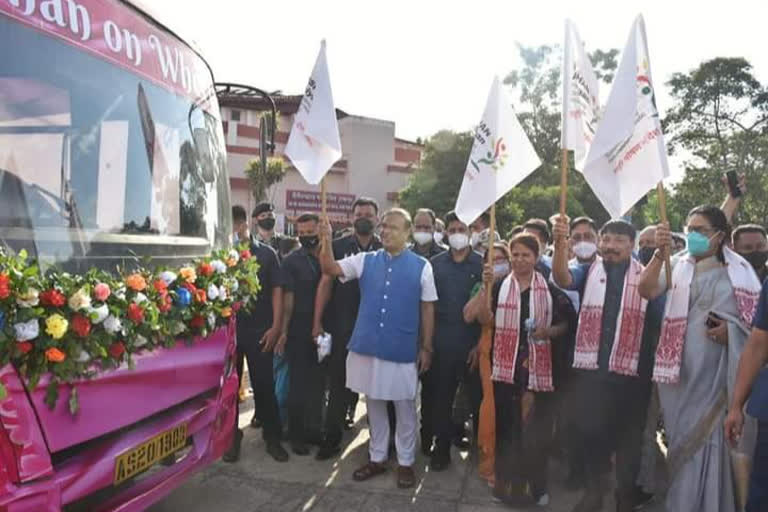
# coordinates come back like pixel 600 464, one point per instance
pixel 720 118
pixel 259 180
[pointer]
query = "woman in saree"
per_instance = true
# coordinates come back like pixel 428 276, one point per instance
pixel 527 314
pixel 708 313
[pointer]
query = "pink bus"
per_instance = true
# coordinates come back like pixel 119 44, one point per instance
pixel 111 150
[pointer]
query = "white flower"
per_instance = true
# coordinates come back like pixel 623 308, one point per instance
pixel 84 357
pixel 222 293
pixel 80 300
pixel 211 320
pixel 219 266
pixel 168 276
pixel 120 293
pixel 213 292
pixel 29 299
pixel 112 324
pixel 233 254
pixel 140 341
pixel 98 314
pixel 140 298
pixel 235 285
pixel 26 331
pixel 179 328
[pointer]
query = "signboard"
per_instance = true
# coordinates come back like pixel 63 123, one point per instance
pixel 307 201
pixel 119 34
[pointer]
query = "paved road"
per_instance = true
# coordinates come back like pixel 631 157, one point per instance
pixel 258 484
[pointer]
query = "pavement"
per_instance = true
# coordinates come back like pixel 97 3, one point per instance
pixel 259 484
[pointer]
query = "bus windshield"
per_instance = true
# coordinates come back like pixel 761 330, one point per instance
pixel 99 164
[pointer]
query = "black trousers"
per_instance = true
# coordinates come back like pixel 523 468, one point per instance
pixel 306 395
pixel 263 384
pixel 607 415
pixel 339 396
pixel 449 369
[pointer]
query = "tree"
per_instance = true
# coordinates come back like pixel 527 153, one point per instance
pixel 720 119
pixel 437 181
pixel 259 180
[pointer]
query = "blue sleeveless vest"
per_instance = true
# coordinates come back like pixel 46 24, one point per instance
pixel 387 325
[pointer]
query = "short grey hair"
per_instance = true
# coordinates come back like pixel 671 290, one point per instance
pixel 402 213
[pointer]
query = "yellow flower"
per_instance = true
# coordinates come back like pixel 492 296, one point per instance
pixel 188 274
pixel 56 325
pixel 226 312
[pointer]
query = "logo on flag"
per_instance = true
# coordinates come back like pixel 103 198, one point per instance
pixel 501 157
pixel 628 156
pixel 314 144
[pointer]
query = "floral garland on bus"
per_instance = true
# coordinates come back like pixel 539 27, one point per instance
pixel 73 326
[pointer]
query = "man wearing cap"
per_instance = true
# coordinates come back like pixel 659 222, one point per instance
pixel 263 217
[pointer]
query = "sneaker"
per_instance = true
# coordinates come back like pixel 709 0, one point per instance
pixel 277 452
pixel 327 451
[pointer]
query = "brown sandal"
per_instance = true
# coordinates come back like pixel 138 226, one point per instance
pixel 406 478
pixel 369 471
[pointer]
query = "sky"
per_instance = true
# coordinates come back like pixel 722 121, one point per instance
pixel 428 65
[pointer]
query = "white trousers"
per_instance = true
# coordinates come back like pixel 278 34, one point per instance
pixel 405 430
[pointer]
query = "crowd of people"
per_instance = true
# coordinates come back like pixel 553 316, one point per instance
pixel 604 340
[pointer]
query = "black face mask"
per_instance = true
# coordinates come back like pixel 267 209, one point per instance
pixel 645 254
pixel 757 259
pixel 363 226
pixel 266 224
pixel 309 242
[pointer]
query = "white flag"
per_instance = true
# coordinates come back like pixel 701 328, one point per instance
pixel 314 144
pixel 501 157
pixel 628 156
pixel 581 101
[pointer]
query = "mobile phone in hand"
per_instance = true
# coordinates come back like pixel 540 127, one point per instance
pixel 713 320
pixel 733 183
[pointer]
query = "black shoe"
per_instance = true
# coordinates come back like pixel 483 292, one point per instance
pixel 462 443
pixel 256 422
pixel 233 454
pixel 299 448
pixel 426 445
pixel 277 452
pixel 439 461
pixel 327 451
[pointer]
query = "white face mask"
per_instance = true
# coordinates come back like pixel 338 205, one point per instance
pixel 584 250
pixel 422 237
pixel 438 237
pixel 475 239
pixel 458 241
pixel 500 270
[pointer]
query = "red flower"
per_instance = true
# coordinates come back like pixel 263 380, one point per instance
pixel 81 325
pixel 25 347
pixel 206 269
pixel 200 296
pixel 160 285
pixel 165 302
pixel 53 298
pixel 135 313
pixel 117 349
pixel 245 255
pixel 236 306
pixel 5 286
pixel 189 286
pixel 197 322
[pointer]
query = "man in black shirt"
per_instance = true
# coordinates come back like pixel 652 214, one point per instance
pixel 300 276
pixel 258 332
pixel 424 234
pixel 344 302
pixel 264 226
pixel 455 359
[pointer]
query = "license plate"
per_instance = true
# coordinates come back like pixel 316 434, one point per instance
pixel 148 453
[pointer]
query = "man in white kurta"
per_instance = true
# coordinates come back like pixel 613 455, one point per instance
pixel 392 341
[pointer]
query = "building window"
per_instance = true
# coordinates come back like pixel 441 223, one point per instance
pixel 235 116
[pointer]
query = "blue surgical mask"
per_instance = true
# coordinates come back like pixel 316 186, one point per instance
pixel 698 244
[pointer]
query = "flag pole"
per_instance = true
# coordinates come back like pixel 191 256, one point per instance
pixel 563 182
pixel 486 435
pixel 663 215
pixel 323 207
